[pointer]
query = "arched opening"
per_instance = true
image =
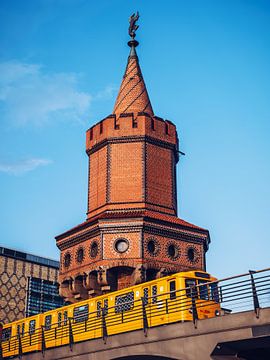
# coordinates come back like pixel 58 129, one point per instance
pixel 119 277
pixel 151 274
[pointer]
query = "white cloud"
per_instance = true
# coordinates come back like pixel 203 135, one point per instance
pixel 23 166
pixel 107 93
pixel 29 95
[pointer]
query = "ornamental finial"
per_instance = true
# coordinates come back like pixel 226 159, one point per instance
pixel 132 25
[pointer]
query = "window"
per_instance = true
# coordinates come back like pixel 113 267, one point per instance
pixel 32 327
pixel 124 302
pixel 48 322
pixel 121 245
pixel 172 251
pixel 101 127
pixel 67 260
pixel 59 319
pixel 191 254
pixel 94 249
pixel 6 334
pixel 106 307
pixel 80 255
pixel 145 296
pixel 203 289
pixel 91 134
pixel 152 124
pixel 42 295
pixel 166 128
pixel 99 308
pixel 214 292
pixel 65 317
pixel 191 283
pixel 154 294
pixel 80 313
pixel 172 290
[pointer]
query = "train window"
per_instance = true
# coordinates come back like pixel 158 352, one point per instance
pixel 80 313
pixel 188 284
pixel 48 322
pixel 203 289
pixel 6 334
pixel 214 292
pixel 59 319
pixel 124 302
pixel 98 308
pixel 18 330
pixel 32 326
pixel 145 296
pixel 65 317
pixel 154 294
pixel 106 307
pixel 172 290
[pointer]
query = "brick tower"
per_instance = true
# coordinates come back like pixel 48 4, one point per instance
pixel 132 233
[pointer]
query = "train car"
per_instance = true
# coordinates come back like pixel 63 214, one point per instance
pixel 179 297
pixel 21 336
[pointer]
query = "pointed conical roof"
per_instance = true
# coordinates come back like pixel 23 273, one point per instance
pixel 133 96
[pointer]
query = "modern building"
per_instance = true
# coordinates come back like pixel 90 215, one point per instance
pixel 132 233
pixel 28 285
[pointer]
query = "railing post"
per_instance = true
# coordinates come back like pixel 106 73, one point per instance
pixel 194 308
pixel 104 326
pixel 70 332
pixel 254 295
pixel 145 320
pixel 43 340
pixel 20 346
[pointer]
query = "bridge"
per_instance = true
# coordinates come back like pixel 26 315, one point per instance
pixel 242 331
pixel 243 334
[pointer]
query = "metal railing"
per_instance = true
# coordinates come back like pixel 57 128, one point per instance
pixel 250 291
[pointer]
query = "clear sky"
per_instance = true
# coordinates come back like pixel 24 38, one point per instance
pixel 206 65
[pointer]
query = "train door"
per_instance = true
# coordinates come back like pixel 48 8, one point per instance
pixel 62 327
pixel 146 294
pixel 173 300
pixel 101 309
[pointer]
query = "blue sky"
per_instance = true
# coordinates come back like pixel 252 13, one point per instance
pixel 206 66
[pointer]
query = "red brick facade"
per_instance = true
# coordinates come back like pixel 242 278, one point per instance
pixel 132 233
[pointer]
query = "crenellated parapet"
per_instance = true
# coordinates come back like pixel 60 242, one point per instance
pixel 130 126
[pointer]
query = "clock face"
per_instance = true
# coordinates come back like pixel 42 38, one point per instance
pixel 121 245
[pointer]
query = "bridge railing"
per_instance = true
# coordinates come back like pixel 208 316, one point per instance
pixel 221 297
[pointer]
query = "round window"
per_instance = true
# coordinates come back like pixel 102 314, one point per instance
pixel 172 251
pixel 151 246
pixel 67 260
pixel 191 254
pixel 121 245
pixel 80 255
pixel 94 249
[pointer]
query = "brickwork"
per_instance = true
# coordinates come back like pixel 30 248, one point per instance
pixel 97 179
pixel 126 175
pixel 159 176
pixel 14 275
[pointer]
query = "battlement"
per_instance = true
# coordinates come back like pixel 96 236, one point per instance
pixel 131 125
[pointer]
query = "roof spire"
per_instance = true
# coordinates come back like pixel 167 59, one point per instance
pixel 133 96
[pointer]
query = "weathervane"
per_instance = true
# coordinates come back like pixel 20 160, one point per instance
pixel 132 25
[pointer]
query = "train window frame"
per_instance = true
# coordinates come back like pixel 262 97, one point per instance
pixel 105 306
pixel 154 293
pixel 145 296
pixel 188 285
pixel 83 313
pixel 6 333
pixel 172 288
pixel 48 322
pixel 122 304
pixel 32 326
pixel 59 319
pixel 99 308
pixel 214 293
pixel 65 317
pixel 203 289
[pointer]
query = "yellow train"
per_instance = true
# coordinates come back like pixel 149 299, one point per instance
pixel 184 296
